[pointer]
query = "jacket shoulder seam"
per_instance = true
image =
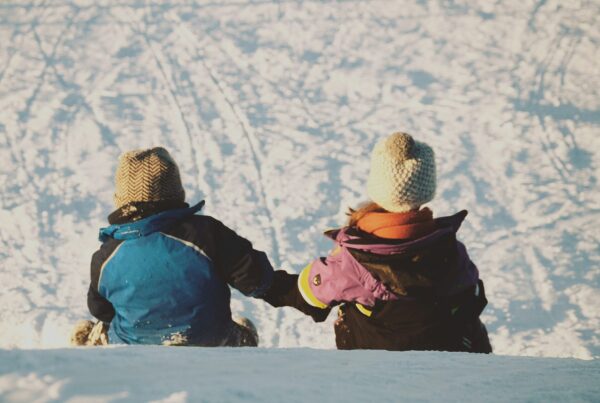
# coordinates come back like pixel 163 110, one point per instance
pixel 188 244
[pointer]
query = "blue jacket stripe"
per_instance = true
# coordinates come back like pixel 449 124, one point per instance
pixel 106 262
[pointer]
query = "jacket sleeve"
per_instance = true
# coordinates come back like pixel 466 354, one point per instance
pixel 335 279
pixel 244 268
pixel 99 306
pixel 284 292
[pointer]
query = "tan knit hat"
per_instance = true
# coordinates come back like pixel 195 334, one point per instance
pixel 147 175
pixel 402 176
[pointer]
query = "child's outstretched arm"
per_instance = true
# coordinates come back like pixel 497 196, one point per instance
pixel 250 271
pixel 284 292
pixel 235 260
pixel 335 279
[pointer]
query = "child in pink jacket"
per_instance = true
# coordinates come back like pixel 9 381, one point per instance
pixel 401 278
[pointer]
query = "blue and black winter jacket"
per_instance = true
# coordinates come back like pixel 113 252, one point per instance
pixel 164 278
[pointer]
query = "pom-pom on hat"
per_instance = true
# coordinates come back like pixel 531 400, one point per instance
pixel 402 176
pixel 148 175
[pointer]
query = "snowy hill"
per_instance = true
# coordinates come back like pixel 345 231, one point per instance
pixel 175 375
pixel 271 109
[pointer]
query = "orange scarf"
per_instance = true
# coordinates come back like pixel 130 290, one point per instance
pixel 410 225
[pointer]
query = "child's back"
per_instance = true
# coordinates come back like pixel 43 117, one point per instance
pixel 161 275
pixel 406 282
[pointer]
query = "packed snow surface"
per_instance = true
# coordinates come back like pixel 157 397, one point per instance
pixel 271 109
pixel 177 375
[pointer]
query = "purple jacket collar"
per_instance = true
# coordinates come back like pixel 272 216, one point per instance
pixel 352 238
pixel 340 277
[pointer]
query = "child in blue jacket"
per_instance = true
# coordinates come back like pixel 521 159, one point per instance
pixel 162 272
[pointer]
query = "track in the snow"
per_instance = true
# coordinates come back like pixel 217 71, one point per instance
pixel 271 110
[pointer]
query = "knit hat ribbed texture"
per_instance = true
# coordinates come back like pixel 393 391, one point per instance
pixel 146 176
pixel 402 176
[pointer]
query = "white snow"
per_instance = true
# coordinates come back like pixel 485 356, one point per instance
pixel 271 109
pixel 144 374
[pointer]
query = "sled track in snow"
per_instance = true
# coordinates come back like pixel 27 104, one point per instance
pixel 250 139
pixel 245 85
pixel 275 317
pixel 173 95
pixel 256 160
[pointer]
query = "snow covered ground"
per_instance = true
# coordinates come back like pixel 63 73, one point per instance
pixel 271 109
pixel 177 375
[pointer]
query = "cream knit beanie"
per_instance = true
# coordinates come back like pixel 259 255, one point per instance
pixel 402 176
pixel 147 175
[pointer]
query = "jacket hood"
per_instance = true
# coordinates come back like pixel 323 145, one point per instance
pixel 148 225
pixel 353 238
pixel 434 264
